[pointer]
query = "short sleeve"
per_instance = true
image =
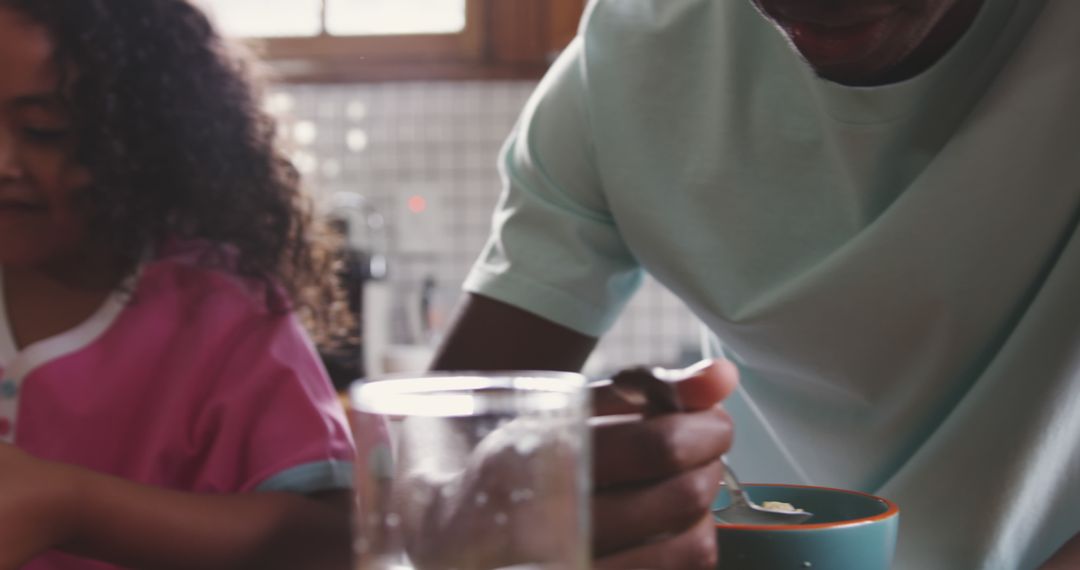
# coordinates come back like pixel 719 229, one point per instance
pixel 555 249
pixel 272 420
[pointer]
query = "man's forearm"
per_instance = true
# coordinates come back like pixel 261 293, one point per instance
pixel 142 526
pixel 491 335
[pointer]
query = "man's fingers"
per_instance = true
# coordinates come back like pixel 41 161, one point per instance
pixel 656 473
pixel 658 447
pixel 609 400
pixel 660 390
pixel 692 549
pixel 625 517
pixel 706 383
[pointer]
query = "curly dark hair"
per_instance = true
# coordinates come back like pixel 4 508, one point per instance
pixel 169 121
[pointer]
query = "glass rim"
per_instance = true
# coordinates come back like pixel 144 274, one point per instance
pixel 577 377
pixel 457 392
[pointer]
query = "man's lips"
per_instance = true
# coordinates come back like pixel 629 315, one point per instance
pixel 804 13
pixel 840 40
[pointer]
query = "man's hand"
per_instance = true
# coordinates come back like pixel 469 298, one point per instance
pixel 655 477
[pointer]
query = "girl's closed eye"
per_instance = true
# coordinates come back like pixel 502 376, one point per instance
pixel 43 119
pixel 46 135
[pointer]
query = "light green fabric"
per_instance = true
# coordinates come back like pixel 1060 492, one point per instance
pixel 311 477
pixel 894 269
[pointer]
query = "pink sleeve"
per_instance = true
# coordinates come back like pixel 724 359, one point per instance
pixel 273 420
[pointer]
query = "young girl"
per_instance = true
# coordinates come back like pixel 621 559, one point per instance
pixel 160 405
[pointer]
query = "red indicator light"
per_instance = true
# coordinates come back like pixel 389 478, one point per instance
pixel 417 204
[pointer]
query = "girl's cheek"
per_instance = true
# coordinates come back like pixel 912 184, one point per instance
pixel 55 173
pixel 73 176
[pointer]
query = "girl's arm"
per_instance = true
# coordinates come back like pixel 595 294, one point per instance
pixel 46 505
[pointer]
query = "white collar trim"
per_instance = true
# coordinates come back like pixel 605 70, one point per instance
pixel 20 363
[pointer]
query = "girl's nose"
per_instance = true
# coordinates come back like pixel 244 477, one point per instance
pixel 10 167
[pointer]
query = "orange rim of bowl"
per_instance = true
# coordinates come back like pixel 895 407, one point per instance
pixel 891 511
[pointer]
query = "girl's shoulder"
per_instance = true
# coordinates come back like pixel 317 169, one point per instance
pixel 203 274
pixel 196 252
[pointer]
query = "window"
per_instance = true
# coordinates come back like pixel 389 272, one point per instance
pixel 373 40
pixel 305 18
pixel 375 17
pixel 277 17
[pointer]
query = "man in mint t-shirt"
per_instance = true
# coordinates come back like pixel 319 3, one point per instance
pixel 872 211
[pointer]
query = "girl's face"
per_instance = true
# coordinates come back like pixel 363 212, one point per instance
pixel 38 172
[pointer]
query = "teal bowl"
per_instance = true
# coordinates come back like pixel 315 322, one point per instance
pixel 849 531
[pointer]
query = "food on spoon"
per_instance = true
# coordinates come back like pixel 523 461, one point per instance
pixel 780 506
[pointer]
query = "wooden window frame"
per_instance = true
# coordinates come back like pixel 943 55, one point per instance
pixel 502 39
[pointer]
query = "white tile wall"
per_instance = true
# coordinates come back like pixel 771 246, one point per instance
pixel 439 141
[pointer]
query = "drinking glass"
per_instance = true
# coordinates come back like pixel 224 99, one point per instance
pixel 472 471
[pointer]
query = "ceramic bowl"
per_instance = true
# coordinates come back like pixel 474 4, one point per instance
pixel 849 531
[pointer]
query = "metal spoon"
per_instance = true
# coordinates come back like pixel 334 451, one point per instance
pixel 742 510
pixel 657 387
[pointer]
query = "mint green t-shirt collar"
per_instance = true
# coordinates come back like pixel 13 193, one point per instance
pixel 982 50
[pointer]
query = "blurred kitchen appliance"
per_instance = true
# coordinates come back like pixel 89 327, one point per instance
pixel 363 278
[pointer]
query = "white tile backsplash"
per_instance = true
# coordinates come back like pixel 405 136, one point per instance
pixel 439 141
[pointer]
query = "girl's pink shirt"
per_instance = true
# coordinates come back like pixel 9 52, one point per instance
pixel 189 383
